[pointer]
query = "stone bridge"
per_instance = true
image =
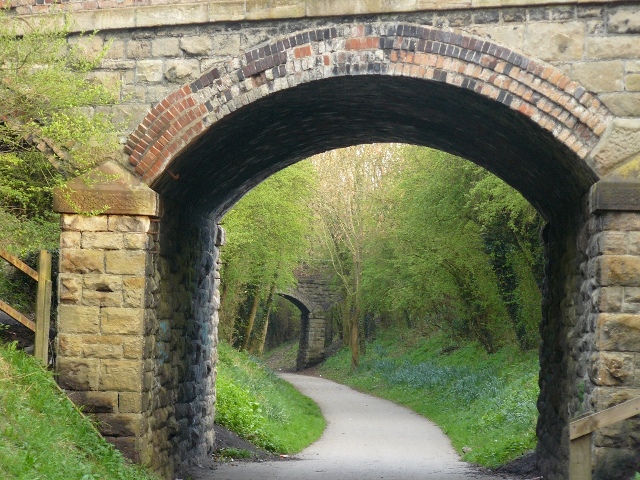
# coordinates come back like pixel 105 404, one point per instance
pixel 314 297
pixel 220 94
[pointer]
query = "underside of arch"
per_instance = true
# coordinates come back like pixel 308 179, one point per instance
pixel 214 139
pixel 304 306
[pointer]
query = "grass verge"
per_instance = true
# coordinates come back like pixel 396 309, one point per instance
pixel 42 436
pixel 486 404
pixel 254 403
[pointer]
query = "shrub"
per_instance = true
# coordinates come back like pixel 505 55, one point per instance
pixel 238 410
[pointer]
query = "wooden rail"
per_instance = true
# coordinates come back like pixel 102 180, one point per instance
pixel 43 302
pixel 581 430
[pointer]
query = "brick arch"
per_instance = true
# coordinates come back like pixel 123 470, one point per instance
pixel 543 96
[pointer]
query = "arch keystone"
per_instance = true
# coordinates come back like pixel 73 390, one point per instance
pixel 618 144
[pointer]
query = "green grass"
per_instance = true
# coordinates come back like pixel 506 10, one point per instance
pixel 253 402
pixel 42 436
pixel 283 357
pixel 482 402
pixel 231 454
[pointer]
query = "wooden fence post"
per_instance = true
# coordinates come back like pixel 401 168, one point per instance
pixel 43 307
pixel 581 430
pixel 580 458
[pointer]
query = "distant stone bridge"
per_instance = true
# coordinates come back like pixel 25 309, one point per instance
pixel 314 297
pixel 220 94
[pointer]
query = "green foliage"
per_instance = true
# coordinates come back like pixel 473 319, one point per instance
pixel 21 235
pixel 232 453
pixel 284 324
pixel 435 267
pixel 44 91
pixel 43 436
pixel 49 129
pixel 260 407
pixel 483 402
pixel 349 180
pixel 455 249
pixel 267 230
pixel 267 237
pixel 19 290
pixel 510 229
pixel 238 410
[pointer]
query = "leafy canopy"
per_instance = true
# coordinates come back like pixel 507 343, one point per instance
pixel 49 129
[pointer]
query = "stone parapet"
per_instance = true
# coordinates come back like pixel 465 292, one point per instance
pixel 103 14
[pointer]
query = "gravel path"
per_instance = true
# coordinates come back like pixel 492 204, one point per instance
pixel 366 438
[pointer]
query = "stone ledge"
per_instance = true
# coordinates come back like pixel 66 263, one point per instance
pixel 108 190
pixel 237 10
pixel 619 191
pixel 616 196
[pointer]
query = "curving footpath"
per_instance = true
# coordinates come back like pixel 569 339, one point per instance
pixel 366 438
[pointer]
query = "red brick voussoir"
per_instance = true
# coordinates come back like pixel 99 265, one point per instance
pixel 535 89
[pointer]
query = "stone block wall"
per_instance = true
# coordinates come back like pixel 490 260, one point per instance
pixel 590 349
pixel 314 296
pixel 558 334
pixel 137 331
pixel 594 44
pixel 311 349
pixel 614 323
pixel 103 321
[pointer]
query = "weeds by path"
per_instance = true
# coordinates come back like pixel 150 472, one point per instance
pixel 43 436
pixel 254 403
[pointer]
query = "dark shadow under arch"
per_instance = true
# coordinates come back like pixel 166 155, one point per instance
pixel 300 304
pixel 255 141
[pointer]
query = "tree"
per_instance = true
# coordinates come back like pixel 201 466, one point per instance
pixel 413 235
pixel 440 248
pixel 267 237
pixel 347 181
pixel 456 251
pixel 510 228
pixel 49 132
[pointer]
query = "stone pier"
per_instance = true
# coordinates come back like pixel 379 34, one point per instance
pixel 137 325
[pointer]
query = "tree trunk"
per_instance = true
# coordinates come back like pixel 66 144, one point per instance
pixel 355 344
pixel 223 294
pixel 252 318
pixel 265 326
pixel 357 321
pixel 346 325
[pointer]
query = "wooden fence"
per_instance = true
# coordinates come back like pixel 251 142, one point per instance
pixel 43 302
pixel 581 430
